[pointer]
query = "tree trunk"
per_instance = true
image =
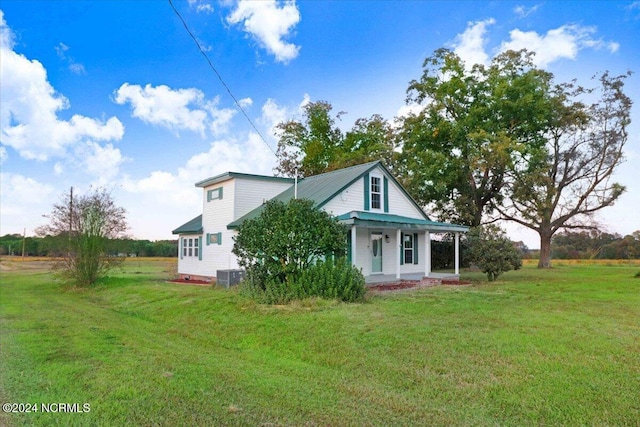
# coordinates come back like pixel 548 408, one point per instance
pixel 545 250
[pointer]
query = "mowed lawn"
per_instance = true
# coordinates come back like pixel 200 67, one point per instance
pixel 557 347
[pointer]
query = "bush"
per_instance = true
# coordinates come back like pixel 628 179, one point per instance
pixel 333 280
pixel 493 252
pixel 325 279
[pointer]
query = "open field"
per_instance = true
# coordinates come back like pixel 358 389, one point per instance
pixel 556 347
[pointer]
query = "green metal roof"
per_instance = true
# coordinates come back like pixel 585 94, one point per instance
pixel 192 227
pixel 380 220
pixel 318 188
pixel 228 175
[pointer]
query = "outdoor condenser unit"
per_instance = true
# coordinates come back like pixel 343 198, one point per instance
pixel 229 277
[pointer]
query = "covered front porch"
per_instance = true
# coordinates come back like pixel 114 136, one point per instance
pixel 391 248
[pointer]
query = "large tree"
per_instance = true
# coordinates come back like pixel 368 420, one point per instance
pixel 566 181
pixel 87 222
pixel 472 125
pixel 316 144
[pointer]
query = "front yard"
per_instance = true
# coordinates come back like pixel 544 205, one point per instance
pixel 558 347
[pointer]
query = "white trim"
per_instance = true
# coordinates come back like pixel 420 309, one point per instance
pixel 399 253
pixel 427 253
pixel 457 254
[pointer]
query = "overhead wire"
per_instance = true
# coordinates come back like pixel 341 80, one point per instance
pixel 235 100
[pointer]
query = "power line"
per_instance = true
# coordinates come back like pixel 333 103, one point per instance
pixel 244 113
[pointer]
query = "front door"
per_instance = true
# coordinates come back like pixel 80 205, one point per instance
pixel 376 253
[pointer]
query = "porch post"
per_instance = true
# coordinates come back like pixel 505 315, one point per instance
pixel 427 253
pixel 398 252
pixel 353 245
pixel 457 251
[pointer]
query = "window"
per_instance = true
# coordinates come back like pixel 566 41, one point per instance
pixel 214 238
pixel 376 192
pixel 408 248
pixel 196 249
pixel 214 194
pixel 190 247
pixel 184 247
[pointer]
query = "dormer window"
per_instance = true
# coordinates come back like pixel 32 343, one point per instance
pixel 214 194
pixel 376 192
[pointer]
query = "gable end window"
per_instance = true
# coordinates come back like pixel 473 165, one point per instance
pixel 376 192
pixel 215 194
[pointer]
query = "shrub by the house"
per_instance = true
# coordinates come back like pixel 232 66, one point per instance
pixel 282 251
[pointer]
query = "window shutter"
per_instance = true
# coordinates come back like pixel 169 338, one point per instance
pixel 386 194
pixel 219 238
pixel 200 248
pixel 416 259
pixel 181 246
pixel 208 239
pixel 349 247
pixel 366 191
pixel 401 248
pixel 220 193
pixel 209 196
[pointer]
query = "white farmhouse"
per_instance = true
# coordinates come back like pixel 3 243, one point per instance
pixel 388 234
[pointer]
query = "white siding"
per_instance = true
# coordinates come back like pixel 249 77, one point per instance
pixel 216 214
pixel 350 199
pixel 240 195
pixel 251 193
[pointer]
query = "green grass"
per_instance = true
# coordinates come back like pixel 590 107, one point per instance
pixel 557 347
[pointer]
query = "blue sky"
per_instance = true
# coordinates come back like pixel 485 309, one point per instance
pixel 115 93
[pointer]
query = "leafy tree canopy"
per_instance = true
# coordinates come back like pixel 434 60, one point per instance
pixel 473 125
pixel 316 144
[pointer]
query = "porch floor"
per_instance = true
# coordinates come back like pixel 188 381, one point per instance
pixel 390 278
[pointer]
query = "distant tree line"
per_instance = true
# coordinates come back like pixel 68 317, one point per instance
pixel 595 244
pixel 11 244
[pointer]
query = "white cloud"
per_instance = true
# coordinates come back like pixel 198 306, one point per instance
pixel 17 202
pixel 58 168
pixel 245 102
pixel 175 109
pixel 523 12
pixel 564 42
pixel 560 43
pixel 74 66
pixel 470 44
pixel 634 9
pixel 3 155
pixel 269 24
pixel 201 6
pixel 101 162
pixel 28 119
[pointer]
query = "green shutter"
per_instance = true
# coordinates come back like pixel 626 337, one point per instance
pixel 366 191
pixel 200 248
pixel 219 238
pixel 208 239
pixel 416 260
pixel 220 193
pixel 349 247
pixel 401 248
pixel 386 194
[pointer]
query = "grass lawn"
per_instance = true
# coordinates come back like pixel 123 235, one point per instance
pixel 556 347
